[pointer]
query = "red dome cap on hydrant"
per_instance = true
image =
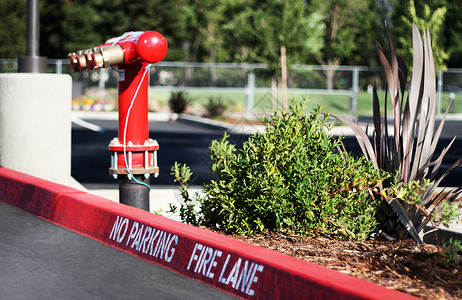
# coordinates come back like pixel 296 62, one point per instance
pixel 151 46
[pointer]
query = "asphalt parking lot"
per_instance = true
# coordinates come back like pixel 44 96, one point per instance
pixel 41 260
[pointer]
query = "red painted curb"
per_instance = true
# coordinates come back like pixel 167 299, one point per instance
pixel 242 269
pixel 34 195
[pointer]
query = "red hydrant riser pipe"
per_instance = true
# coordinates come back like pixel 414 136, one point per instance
pixel 137 129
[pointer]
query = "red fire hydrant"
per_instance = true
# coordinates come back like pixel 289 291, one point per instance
pixel 134 154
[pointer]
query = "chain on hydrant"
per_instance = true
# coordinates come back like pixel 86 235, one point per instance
pixel 133 153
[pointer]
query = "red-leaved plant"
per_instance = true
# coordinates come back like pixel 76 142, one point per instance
pixel 407 151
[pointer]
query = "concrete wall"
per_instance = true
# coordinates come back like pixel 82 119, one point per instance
pixel 35 125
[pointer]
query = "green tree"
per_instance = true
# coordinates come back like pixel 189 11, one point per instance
pixel 453 34
pixel 425 14
pixel 67 26
pixel 371 24
pixel 270 32
pixel 12 28
pixel 72 25
pixel 203 20
pixel 166 17
pixel 328 32
pixel 260 28
pixel 344 29
pixel 205 39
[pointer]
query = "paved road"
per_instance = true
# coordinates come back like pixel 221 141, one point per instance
pixel 41 260
pixel 180 142
pixel 187 143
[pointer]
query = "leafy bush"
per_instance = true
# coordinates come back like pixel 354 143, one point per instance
pixel 178 102
pixel 215 107
pixel 289 179
pixel 408 149
pixel 451 253
pixel 182 176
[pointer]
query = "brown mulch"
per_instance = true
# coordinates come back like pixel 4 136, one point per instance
pixel 401 265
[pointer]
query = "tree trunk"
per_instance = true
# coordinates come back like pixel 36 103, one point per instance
pixel 330 73
pixel 284 79
pixel 274 93
pixel 189 71
pixel 213 53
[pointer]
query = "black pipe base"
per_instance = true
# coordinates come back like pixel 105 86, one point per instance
pixel 134 194
pixel 32 64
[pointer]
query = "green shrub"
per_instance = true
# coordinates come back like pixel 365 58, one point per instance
pixel 178 102
pixel 451 253
pixel 290 179
pixel 215 107
pixel 182 176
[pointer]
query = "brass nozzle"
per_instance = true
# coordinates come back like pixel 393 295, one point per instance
pixel 99 57
pixel 107 56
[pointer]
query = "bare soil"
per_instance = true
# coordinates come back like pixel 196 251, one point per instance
pixel 401 265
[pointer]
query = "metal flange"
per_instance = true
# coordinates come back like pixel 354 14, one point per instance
pixel 134 159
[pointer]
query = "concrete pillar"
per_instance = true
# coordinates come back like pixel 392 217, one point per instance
pixel 35 125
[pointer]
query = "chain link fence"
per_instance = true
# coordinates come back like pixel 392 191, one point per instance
pixel 248 87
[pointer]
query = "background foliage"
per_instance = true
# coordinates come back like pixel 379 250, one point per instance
pixel 12 28
pixel 314 31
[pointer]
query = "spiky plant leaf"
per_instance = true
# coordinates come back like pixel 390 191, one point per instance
pixel 411 147
pixel 363 140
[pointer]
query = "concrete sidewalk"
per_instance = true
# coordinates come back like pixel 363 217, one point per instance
pixel 160 199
